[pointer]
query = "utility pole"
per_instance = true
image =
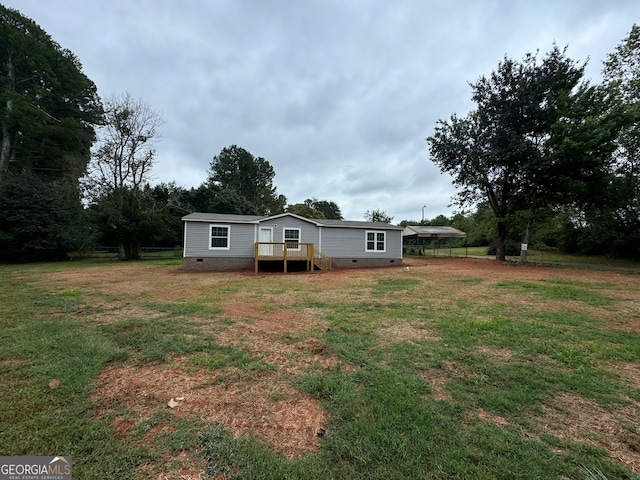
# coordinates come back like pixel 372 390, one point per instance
pixel 423 207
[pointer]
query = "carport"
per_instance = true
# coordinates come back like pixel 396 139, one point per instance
pixel 419 236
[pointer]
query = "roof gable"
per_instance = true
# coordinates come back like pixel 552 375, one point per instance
pixel 293 215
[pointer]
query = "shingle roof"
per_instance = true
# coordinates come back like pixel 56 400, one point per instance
pixel 228 218
pixel 221 217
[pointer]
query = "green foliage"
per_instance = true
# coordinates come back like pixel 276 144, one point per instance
pixel 126 208
pixel 510 248
pixel 48 109
pixel 236 170
pixel 41 219
pixel 210 197
pixel 621 204
pixel 304 210
pixel 539 138
pixel 379 216
pixel 129 218
pixel 329 209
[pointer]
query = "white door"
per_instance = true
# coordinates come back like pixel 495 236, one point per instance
pixel 265 235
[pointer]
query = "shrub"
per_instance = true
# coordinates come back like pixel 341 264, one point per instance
pixel 511 248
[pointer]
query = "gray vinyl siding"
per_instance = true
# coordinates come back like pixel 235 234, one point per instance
pixel 350 243
pixel 308 231
pixel 342 241
pixel 197 237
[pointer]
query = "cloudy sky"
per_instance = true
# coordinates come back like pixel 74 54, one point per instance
pixel 338 95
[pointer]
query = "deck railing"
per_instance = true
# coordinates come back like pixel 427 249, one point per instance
pixel 321 261
pixel 286 251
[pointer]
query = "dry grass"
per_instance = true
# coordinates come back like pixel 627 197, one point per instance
pixel 575 418
pixel 264 404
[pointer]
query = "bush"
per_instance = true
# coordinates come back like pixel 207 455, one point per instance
pixel 511 248
pixel 543 247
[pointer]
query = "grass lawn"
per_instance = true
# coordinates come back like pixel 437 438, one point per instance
pixel 536 257
pixel 445 368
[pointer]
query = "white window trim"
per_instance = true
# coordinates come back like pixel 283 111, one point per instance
pixel 284 238
pixel 375 241
pixel 216 225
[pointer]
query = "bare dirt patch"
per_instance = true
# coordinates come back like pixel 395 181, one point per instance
pixel 629 372
pixel 631 324
pixel 405 332
pixel 575 418
pixel 284 337
pixel 437 378
pixel 500 356
pixel 484 416
pixel 181 466
pixel 259 405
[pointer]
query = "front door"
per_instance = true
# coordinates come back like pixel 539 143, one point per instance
pixel 265 235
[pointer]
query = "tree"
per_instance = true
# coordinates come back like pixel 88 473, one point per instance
pixel 539 138
pixel 118 181
pixel 42 219
pixel 439 221
pixel 621 74
pixel 234 169
pixel 330 210
pixel 48 110
pixel 169 195
pixel 210 197
pixel 126 150
pixel 379 216
pixel 130 218
pixel 305 210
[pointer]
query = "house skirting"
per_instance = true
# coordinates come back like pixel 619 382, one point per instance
pixel 241 263
pixel 217 263
pixel 364 262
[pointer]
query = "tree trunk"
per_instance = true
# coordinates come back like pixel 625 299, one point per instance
pixel 525 245
pixel 500 241
pixel 130 247
pixel 5 150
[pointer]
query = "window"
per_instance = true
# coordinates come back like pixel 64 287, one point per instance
pixel 376 242
pixel 219 237
pixel 292 236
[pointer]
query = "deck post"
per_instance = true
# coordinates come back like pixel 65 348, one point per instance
pixel 255 257
pixel 284 252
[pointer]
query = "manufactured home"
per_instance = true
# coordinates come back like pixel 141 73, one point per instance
pixel 227 242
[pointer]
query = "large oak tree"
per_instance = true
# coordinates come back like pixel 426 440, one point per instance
pixel 539 137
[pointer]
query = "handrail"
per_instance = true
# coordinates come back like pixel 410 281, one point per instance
pixel 322 260
pixel 291 251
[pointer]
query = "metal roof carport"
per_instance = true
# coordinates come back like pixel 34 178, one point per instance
pixel 418 232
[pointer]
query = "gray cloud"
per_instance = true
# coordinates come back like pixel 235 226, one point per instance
pixel 338 96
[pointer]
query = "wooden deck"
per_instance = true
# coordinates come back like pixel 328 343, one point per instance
pixel 286 252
